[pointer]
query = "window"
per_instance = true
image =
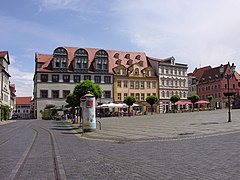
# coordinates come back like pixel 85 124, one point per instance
pixel 136 71
pixel 142 84
pixel 44 77
pixel 163 94
pixel 101 60
pixel 97 79
pixel 55 78
pixel 127 56
pixel 131 84
pixel 116 55
pixel 81 59
pixel 124 72
pixel 44 93
pixel 142 96
pixel 138 57
pixel 148 94
pixel 55 93
pixel 148 84
pixel 153 84
pixel 154 94
pixel 107 79
pixel 119 96
pixel 125 84
pixel 137 85
pixel 163 82
pixel 167 93
pixel 137 96
pixel 125 95
pixel 119 83
pixel 234 86
pixel 107 94
pixel 132 94
pixel 66 78
pixel 76 78
pixel 87 77
pixel 65 93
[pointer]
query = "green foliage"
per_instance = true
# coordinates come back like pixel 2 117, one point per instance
pixel 210 97
pixel 175 98
pixel 72 100
pixel 46 114
pixel 83 88
pixel 5 112
pixel 193 98
pixel 152 100
pixel 129 100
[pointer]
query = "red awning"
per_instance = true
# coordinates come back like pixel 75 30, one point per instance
pixel 183 102
pixel 202 102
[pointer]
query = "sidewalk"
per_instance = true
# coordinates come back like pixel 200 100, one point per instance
pixel 6 122
pixel 166 126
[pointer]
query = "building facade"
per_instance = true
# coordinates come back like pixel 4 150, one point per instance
pixel 173 80
pixel 23 107
pixel 4 79
pixel 12 100
pixel 214 82
pixel 133 76
pixel 57 74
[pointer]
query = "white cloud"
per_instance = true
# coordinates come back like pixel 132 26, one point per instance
pixel 195 32
pixel 23 81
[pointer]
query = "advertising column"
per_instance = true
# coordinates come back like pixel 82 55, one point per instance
pixel 89 119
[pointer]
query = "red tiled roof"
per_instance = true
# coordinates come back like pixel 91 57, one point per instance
pixel 47 58
pixel 3 54
pixel 237 75
pixel 213 73
pixel 23 100
pixel 199 72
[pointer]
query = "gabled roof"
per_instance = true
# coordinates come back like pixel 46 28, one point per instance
pixel 23 100
pixel 4 55
pixel 237 75
pixel 199 72
pixel 213 73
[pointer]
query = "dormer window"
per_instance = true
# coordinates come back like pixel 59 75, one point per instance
pixel 149 73
pixel 116 56
pixel 129 62
pixel 138 57
pixel 60 57
pixel 81 59
pixel 101 61
pixel 124 72
pixel 136 71
pixel 127 56
pixel 118 62
pixel 140 63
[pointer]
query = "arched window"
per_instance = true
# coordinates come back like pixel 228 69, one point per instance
pixel 138 57
pixel 101 61
pixel 163 94
pixel 81 59
pixel 136 71
pixel 116 56
pixel 60 57
pixel 167 93
pixel 127 56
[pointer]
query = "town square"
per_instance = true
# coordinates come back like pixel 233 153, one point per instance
pixel 119 89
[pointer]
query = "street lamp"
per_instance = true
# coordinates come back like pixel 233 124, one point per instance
pixel 228 93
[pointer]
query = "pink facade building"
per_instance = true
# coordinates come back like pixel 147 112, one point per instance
pixel 214 81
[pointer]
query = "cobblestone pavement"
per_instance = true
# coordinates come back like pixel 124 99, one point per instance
pixel 211 155
pixel 165 126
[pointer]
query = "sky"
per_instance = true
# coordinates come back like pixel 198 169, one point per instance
pixel 198 33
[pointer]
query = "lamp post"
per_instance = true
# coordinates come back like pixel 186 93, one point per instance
pixel 228 93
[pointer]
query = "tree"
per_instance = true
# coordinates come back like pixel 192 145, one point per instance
pixel 87 86
pixel 210 97
pixel 174 99
pixel 129 100
pixel 193 98
pixel 152 100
